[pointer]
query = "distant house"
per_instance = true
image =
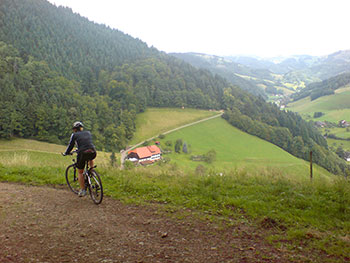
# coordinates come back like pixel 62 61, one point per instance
pixel 145 155
pixel 347 156
pixel 320 124
pixel 344 123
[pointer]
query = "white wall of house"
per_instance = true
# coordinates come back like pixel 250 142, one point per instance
pixel 152 158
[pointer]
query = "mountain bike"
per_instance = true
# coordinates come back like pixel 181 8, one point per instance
pixel 92 180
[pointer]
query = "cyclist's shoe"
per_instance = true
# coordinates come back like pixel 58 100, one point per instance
pixel 82 193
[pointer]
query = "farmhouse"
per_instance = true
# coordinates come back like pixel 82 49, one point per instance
pixel 145 155
pixel 344 123
pixel 320 124
pixel 347 156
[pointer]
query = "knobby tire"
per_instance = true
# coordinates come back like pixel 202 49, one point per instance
pixel 95 188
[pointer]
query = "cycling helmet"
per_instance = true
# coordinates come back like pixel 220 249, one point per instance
pixel 77 125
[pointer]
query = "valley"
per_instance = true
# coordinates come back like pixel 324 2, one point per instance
pixel 333 109
pixel 236 134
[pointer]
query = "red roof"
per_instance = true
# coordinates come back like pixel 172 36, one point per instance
pixel 147 151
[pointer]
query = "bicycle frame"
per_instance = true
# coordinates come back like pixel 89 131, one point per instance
pixel 92 181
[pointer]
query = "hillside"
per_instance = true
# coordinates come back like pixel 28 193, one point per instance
pixel 234 150
pixel 31 153
pixel 253 75
pixel 334 107
pixel 326 87
pixel 155 121
pixel 324 68
pixel 69 43
pixel 104 60
pixel 277 65
pixel 52 64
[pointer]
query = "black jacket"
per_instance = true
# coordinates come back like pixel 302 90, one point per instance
pixel 83 139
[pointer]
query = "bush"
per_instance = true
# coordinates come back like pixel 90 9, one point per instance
pixel 128 165
pixel 185 148
pixel 169 143
pixel 200 170
pixel 210 156
pixel 161 136
pixel 178 145
pixel 113 159
pixel 318 114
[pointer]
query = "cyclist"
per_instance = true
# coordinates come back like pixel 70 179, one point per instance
pixel 86 151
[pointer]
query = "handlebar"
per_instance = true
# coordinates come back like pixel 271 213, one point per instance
pixel 71 153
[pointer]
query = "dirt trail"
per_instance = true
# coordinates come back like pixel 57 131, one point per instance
pixel 42 224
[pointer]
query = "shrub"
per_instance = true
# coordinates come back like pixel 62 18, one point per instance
pixel 210 156
pixel 128 165
pixel 184 148
pixel 113 159
pixel 200 169
pixel 318 114
pixel 178 145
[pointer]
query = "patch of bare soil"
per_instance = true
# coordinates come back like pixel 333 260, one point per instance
pixel 42 224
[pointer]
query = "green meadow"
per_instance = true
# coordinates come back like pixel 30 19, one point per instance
pixel 335 107
pixel 157 120
pixel 234 150
pixel 33 153
pixel 336 143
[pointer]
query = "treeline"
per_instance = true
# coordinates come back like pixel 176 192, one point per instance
pixel 170 82
pixel 323 88
pixel 284 129
pixel 37 102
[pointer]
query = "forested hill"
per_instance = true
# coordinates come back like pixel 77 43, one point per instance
pixel 56 67
pixel 94 55
pixel 323 88
pixel 71 44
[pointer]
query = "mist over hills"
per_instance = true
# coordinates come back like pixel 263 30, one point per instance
pixel 261 75
pixel 278 65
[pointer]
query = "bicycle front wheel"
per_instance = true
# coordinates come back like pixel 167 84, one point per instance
pixel 95 187
pixel 72 178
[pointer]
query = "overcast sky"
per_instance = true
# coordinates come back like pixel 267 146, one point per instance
pixel 264 28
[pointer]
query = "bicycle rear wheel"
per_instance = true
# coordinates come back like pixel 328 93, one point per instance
pixel 95 187
pixel 72 178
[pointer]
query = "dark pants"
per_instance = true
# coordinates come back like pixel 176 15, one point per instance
pixel 85 156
